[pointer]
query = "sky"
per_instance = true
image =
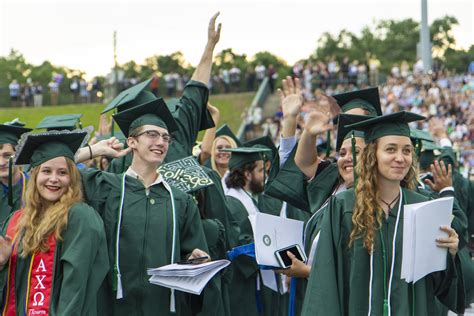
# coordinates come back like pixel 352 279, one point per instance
pixel 79 34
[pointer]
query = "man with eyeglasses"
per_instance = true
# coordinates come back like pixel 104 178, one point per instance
pixel 148 223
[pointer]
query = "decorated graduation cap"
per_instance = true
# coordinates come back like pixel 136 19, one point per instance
pixel 10 134
pixel 264 142
pixel 35 149
pixel 242 155
pixel 61 122
pixel 131 97
pixel 395 124
pixel 225 130
pixel 367 99
pixel 152 113
pixel 186 174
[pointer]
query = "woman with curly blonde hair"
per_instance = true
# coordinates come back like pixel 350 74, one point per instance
pixel 54 250
pixel 357 267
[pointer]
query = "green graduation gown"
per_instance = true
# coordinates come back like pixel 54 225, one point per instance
pixel 5 209
pixel 189 113
pixel 243 293
pixel 339 283
pixel 146 236
pixel 289 184
pixel 80 266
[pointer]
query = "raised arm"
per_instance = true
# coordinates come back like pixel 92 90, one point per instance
pixel 111 148
pixel 306 157
pixel 209 135
pixel 291 101
pixel 203 70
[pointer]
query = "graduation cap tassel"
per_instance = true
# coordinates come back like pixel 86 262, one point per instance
pixel 10 182
pixel 328 141
pixel 354 158
pixel 418 147
pixel 112 131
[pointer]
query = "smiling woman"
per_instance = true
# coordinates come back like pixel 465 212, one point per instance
pixel 360 244
pixel 55 239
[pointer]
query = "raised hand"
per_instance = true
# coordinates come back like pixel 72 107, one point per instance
pixel 110 147
pixel 213 34
pixel 291 97
pixel 317 122
pixel 442 176
pixel 215 113
pixel 105 125
pixel 328 105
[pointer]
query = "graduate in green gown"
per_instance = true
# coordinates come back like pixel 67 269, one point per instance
pixel 54 256
pixel 190 111
pixel 357 265
pixel 327 179
pixel 11 197
pixel 245 182
pixel 148 223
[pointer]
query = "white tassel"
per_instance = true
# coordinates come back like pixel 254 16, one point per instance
pixel 119 287
pixel 172 302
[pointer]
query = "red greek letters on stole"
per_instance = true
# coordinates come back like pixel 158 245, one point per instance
pixel 40 279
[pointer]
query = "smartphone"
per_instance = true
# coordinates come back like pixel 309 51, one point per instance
pixel 283 258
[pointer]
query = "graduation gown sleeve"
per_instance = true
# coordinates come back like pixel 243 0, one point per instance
pixel 289 184
pixel 84 262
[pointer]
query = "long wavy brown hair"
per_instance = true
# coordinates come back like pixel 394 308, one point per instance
pixel 39 221
pixel 367 214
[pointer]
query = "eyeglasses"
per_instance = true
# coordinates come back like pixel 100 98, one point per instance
pixel 155 135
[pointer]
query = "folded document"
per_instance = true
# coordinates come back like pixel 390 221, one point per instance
pixel 190 278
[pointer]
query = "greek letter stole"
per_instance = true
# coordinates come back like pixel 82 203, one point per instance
pixel 40 276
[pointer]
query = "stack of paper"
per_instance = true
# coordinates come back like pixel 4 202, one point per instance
pixel 421 227
pixel 191 278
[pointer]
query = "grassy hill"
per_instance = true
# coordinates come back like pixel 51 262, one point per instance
pixel 230 105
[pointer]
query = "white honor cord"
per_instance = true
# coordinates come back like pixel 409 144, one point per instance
pixel 392 265
pixel 371 279
pixel 117 241
pixel 168 188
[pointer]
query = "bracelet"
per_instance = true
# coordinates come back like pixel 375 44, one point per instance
pixel 90 151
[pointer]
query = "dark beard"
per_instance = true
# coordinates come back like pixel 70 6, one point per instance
pixel 256 187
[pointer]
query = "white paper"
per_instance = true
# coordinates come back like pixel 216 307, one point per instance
pixel 422 222
pixel 190 278
pixel 272 233
pixel 269 279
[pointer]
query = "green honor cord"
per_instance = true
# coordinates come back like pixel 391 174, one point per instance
pixel 328 143
pixel 10 182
